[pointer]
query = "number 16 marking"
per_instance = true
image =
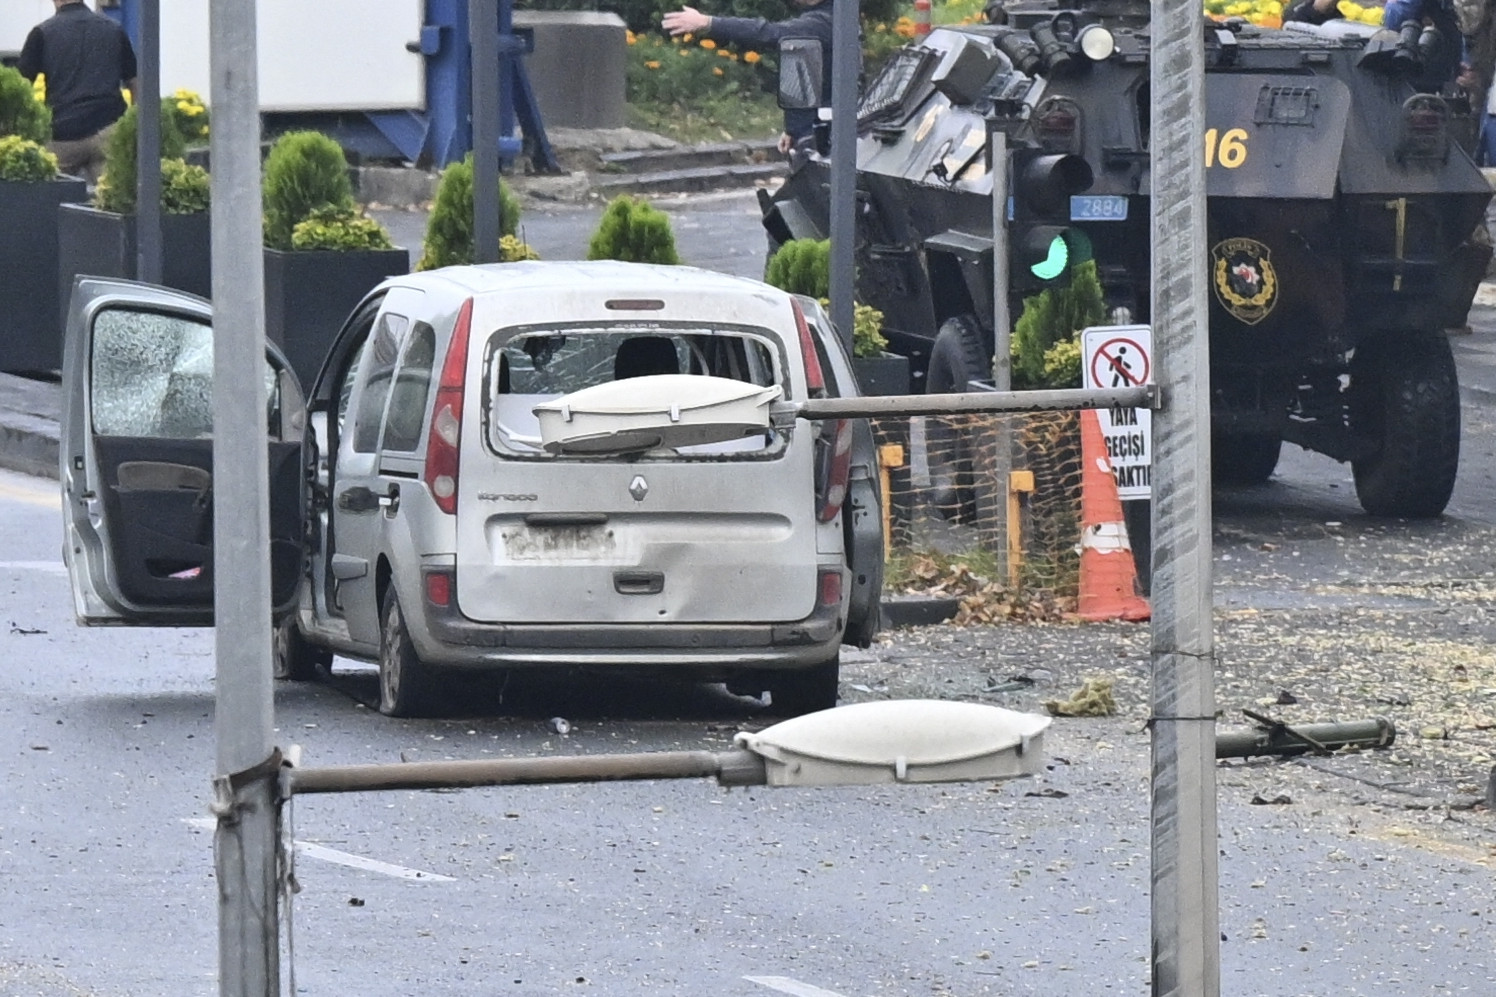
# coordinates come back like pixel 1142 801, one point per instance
pixel 1230 148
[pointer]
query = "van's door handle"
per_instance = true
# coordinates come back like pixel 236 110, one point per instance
pixel 638 582
pixel 361 499
pixel 357 499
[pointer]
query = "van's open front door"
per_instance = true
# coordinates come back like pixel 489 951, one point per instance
pixel 137 458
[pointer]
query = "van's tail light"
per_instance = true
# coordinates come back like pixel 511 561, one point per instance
pixel 815 380
pixel 830 588
pixel 439 585
pixel 443 446
pixel 833 467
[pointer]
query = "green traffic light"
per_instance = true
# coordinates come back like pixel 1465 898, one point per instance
pixel 1055 262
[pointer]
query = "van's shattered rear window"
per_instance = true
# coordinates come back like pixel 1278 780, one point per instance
pixel 527 367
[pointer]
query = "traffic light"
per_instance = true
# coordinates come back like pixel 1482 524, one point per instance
pixel 1043 244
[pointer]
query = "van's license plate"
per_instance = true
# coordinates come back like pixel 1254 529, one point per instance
pixel 1098 208
pixel 559 543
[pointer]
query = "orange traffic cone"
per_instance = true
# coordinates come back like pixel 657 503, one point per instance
pixel 1108 577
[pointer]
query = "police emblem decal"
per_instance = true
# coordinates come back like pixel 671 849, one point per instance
pixel 1246 284
pixel 638 488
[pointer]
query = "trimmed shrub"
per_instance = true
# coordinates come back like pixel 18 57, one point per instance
pixel 340 229
pixel 116 189
pixel 512 250
pixel 25 161
pixel 867 331
pixel 184 187
pixel 304 171
pixel 449 229
pixel 802 266
pixel 1045 354
pixel 634 231
pixel 20 112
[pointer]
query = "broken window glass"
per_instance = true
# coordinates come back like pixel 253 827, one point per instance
pixel 152 375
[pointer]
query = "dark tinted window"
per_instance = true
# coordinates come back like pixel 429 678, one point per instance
pixel 376 369
pixel 407 409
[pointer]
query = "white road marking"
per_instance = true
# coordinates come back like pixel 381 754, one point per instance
pixel 310 850
pixel 50 567
pixel 33 491
pixel 794 988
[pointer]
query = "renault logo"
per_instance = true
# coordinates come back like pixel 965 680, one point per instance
pixel 638 488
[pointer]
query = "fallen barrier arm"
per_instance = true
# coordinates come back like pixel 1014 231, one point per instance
pixel 730 768
pixel 1045 400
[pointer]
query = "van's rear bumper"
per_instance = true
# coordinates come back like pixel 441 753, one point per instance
pixel 452 640
pixel 455 641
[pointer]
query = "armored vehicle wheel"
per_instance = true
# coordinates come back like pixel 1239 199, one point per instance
pixel 804 690
pixel 1405 395
pixel 404 680
pixel 1243 458
pixel 957 356
pixel 295 659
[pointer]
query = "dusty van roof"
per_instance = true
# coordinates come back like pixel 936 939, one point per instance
pixel 602 276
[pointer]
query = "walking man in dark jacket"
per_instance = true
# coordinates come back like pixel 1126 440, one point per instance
pixel 814 21
pixel 87 58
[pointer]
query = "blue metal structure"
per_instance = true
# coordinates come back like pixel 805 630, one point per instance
pixel 442 132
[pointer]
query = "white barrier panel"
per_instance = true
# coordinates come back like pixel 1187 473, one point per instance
pixel 314 55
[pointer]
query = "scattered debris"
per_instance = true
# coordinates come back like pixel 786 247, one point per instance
pixel 1282 799
pixel 560 725
pixel 16 628
pixel 1094 699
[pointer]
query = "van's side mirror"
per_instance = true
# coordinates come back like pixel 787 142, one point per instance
pixel 801 70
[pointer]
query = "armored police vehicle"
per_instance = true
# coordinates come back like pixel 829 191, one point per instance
pixel 1342 217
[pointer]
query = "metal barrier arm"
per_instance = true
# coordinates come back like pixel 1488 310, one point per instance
pixel 1049 400
pixel 730 768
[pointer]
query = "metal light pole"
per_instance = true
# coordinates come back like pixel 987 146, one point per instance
pixel 148 146
pixel 1185 914
pixel 245 799
pixel 844 62
pixel 1002 323
pixel 483 37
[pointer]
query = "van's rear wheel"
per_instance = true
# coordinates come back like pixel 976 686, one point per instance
pixel 957 357
pixel 804 690
pixel 1405 395
pixel 404 680
pixel 296 660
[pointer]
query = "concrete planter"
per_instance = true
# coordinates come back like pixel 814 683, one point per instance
pixel 32 338
pixel 308 294
pixel 882 375
pixel 102 244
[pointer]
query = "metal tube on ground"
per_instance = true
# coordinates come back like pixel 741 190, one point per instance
pixel 731 768
pixel 1298 739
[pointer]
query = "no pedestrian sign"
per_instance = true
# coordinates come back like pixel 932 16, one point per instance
pixel 1121 356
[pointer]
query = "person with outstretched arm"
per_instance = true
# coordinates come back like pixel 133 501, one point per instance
pixel 813 21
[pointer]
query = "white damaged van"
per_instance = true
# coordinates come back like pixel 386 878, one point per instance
pixel 523 465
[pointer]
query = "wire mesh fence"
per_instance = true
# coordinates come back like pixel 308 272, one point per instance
pixel 988 506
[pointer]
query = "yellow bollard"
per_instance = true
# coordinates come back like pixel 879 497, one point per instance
pixel 1019 483
pixel 890 456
